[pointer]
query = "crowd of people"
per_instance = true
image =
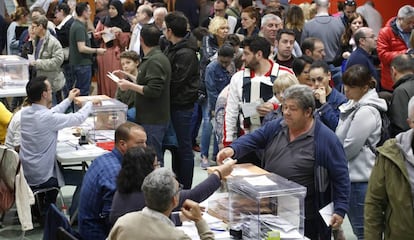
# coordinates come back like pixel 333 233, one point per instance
pixel 291 88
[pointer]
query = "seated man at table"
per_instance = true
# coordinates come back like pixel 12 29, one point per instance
pixel 39 130
pixel 161 193
pixel 302 149
pixel 99 183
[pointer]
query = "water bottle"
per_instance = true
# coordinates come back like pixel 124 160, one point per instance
pixel 65 212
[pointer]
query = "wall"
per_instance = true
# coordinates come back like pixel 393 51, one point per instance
pixel 387 8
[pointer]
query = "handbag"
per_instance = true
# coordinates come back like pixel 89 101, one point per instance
pixel 6 192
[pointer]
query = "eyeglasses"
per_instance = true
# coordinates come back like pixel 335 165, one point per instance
pixel 350 3
pixel 180 187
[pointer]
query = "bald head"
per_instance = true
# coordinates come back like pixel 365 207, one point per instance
pixel 144 14
pixel 365 38
pixel 322 3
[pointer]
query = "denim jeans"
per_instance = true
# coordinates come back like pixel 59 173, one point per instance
pixel 206 131
pixel 195 123
pixel 183 162
pixel 68 72
pixel 155 135
pixel 356 208
pixel 56 97
pixel 81 78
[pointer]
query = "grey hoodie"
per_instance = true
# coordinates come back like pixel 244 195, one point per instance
pixel 404 140
pixel 358 128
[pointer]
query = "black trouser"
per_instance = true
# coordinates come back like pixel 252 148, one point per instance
pixel 43 200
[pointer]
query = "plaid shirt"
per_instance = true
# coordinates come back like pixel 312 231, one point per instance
pixel 98 188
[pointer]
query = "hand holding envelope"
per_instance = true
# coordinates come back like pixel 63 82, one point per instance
pixel 331 218
pixel 122 83
pixel 114 77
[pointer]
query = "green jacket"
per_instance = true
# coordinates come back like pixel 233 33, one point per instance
pixel 154 73
pixel 388 202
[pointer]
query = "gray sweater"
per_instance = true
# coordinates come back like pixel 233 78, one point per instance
pixel 328 29
pixel 355 128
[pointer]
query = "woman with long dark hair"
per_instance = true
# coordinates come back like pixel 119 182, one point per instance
pixel 114 33
pixel 137 163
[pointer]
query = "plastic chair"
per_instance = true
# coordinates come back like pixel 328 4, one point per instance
pixel 40 195
pixel 62 234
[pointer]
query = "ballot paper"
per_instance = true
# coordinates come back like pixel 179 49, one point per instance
pixel 326 213
pixel 241 172
pixel 216 226
pixel 260 181
pixel 113 77
pixel 268 222
pixel 108 35
pixel 249 109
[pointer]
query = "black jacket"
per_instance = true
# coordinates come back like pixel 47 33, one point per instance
pixel 63 34
pixel 398 112
pixel 185 73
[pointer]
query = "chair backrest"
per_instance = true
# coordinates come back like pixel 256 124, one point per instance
pixel 62 234
pixel 9 165
pixel 55 219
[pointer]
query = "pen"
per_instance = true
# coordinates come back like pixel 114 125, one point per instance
pixel 218 229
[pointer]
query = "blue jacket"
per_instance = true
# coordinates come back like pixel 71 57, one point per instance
pixel 216 78
pixel 329 112
pixel 331 171
pixel 360 56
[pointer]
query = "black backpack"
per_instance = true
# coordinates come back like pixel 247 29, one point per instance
pixel 385 127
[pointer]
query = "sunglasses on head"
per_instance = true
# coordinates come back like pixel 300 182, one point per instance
pixel 350 3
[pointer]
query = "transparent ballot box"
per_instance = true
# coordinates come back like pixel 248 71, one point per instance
pixel 107 118
pixel 14 71
pixel 266 203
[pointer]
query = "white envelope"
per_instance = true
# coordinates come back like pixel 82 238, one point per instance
pixel 326 213
pixel 113 77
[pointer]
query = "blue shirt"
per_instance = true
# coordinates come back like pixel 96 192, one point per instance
pixel 39 130
pixel 98 188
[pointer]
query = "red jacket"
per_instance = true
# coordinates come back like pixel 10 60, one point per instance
pixel 389 45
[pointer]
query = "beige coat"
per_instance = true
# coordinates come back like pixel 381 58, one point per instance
pixel 139 226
